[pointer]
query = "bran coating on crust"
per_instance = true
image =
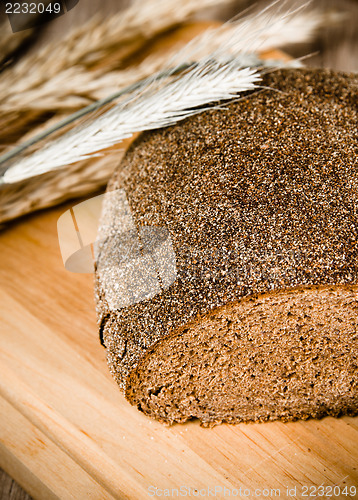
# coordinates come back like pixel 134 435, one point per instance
pixel 259 197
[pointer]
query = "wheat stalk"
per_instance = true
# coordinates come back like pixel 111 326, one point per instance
pixel 66 77
pixel 91 43
pixel 88 175
pixel 254 31
pixel 57 186
pixel 267 29
pixel 207 82
pixel 75 87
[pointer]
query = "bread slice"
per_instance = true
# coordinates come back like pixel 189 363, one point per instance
pixel 258 203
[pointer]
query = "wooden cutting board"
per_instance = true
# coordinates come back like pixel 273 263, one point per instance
pixel 67 432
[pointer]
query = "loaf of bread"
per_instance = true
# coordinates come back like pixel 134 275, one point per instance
pixel 255 317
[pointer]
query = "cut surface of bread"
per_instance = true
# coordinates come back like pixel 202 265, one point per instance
pixel 258 203
pixel 287 355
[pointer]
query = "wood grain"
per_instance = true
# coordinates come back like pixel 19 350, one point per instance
pixel 66 430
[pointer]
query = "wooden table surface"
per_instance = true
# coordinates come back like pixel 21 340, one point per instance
pixel 327 447
pixel 66 430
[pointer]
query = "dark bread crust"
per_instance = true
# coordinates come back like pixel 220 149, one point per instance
pixel 258 198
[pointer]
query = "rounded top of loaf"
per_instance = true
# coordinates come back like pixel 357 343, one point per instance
pixel 257 197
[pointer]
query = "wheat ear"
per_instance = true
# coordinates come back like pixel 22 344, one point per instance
pixel 257 30
pixel 74 87
pixel 207 82
pixel 90 44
